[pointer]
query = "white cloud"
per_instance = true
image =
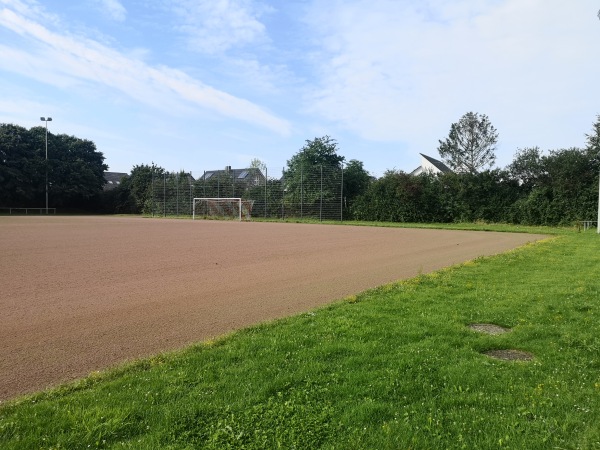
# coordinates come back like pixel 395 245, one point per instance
pixel 73 61
pixel 400 71
pixel 215 26
pixel 21 109
pixel 114 9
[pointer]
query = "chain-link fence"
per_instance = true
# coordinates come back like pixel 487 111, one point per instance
pixel 312 192
pixel 171 194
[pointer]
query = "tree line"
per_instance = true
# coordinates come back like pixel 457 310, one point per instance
pixel 553 188
pixel 73 171
pixel 557 188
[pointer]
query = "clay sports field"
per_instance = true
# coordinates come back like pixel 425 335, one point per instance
pixel 80 294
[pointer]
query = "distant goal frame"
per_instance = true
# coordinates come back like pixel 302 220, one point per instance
pixel 240 202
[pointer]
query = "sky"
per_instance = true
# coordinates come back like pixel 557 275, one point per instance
pixel 198 85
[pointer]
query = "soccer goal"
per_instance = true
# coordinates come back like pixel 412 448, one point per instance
pixel 222 208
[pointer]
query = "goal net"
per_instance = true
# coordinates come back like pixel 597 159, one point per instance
pixel 222 208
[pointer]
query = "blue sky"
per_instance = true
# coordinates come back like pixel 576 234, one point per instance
pixel 202 84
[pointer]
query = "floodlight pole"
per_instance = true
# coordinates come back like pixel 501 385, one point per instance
pixel 598 143
pixel 49 119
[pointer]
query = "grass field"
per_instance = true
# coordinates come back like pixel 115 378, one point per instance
pixel 394 367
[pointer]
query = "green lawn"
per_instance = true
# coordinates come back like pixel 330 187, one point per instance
pixel 395 367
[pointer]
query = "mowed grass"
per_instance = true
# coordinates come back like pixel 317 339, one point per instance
pixel 394 367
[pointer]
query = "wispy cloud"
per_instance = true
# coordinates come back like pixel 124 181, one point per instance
pixel 68 61
pixel 11 109
pixel 215 26
pixel 399 70
pixel 113 8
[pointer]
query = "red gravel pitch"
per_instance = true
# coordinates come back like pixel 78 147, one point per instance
pixel 79 294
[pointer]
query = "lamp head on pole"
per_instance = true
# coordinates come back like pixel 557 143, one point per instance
pixel 49 119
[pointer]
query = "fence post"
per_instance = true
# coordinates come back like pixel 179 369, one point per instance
pixel 342 196
pixel 301 191
pixel 266 186
pixel 283 193
pixel 152 200
pixel 165 194
pixel 321 204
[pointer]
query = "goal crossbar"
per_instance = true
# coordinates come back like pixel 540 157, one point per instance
pixel 214 200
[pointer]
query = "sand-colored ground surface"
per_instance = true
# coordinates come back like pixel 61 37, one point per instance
pixel 79 294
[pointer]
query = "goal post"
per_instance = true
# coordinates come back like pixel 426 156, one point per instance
pixel 222 208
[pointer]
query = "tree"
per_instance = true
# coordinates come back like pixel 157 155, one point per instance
pixel 487 195
pixel 318 152
pixel 256 163
pixel 470 144
pixel 267 198
pixel 21 171
pixel 76 171
pixel 564 191
pixel 400 197
pixel 313 177
pixel 139 185
pixel 593 139
pixel 356 182
pixel 573 178
pixel 528 167
pixel 74 167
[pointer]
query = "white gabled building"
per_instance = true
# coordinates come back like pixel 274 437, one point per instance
pixel 430 165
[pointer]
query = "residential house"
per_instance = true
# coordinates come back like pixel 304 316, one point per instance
pixel 113 179
pixel 430 165
pixel 248 177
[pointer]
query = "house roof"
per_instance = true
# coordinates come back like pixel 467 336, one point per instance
pixel 438 164
pixel 113 179
pixel 237 174
pixel 430 164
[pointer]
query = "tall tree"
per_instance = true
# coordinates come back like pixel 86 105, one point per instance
pixel 318 152
pixel 21 171
pixel 470 145
pixel 76 170
pixel 356 182
pixel 74 167
pixel 139 184
pixel 313 175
